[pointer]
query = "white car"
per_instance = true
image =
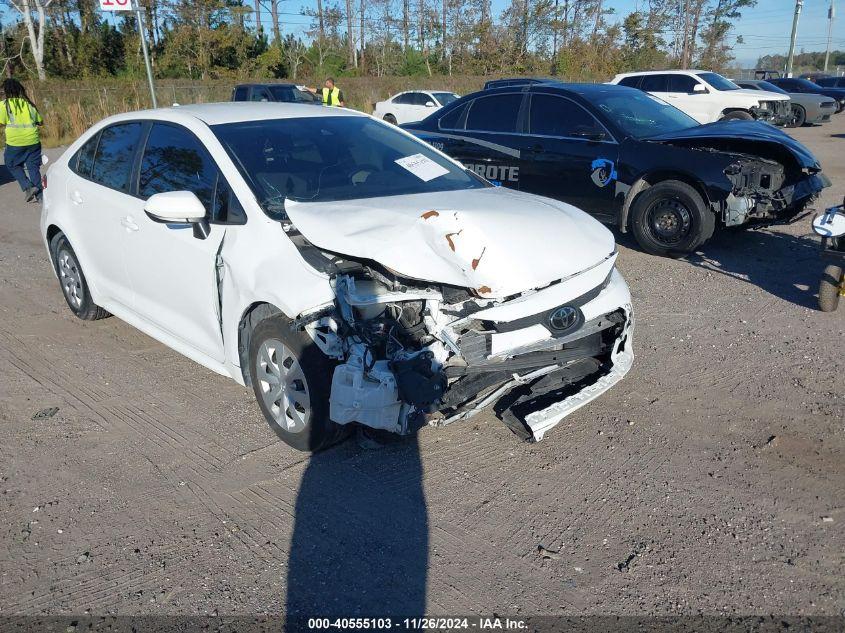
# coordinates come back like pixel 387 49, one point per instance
pixel 412 106
pixel 347 271
pixel 707 96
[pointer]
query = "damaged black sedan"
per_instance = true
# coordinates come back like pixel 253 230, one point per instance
pixel 629 158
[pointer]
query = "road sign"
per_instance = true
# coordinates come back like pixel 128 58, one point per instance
pixel 116 5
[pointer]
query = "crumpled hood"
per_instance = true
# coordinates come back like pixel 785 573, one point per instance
pixel 497 241
pixel 742 137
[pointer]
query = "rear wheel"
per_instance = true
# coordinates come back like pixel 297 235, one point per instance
pixel 798 116
pixel 291 378
pixel 830 288
pixel 73 282
pixel 738 115
pixel 670 218
pixel 390 119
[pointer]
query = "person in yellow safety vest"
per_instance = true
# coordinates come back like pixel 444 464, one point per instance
pixel 332 95
pixel 23 140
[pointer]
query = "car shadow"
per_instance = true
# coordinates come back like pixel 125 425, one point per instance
pixel 786 266
pixel 360 539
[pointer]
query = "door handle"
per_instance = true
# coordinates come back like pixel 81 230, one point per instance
pixel 129 223
pixel 76 197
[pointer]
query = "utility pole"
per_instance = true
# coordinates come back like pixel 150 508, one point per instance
pixel 830 16
pixel 798 6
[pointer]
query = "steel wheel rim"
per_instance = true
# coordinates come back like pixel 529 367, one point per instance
pixel 283 387
pixel 669 221
pixel 71 278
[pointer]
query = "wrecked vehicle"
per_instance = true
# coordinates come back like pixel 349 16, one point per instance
pixel 348 272
pixel 629 159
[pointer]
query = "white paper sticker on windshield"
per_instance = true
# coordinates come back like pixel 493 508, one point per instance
pixel 422 167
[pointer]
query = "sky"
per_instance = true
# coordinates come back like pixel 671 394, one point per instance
pixel 764 29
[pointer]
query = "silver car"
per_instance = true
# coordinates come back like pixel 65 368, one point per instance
pixel 806 108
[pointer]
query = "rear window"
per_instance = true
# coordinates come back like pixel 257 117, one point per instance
pixel 115 154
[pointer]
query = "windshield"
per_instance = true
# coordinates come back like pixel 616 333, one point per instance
pixel 326 158
pixel 445 98
pixel 640 114
pixel 718 82
pixel 765 85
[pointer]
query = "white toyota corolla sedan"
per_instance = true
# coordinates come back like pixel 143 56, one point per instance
pixel 346 271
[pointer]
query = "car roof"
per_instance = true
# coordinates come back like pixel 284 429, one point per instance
pixel 266 84
pixel 234 112
pixel 689 71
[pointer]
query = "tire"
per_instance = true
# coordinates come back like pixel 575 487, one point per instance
pixel 738 115
pixel 291 379
pixel 799 116
pixel 72 281
pixel 390 119
pixel 670 218
pixel 830 288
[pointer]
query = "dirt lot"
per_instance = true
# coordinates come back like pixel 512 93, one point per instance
pixel 711 480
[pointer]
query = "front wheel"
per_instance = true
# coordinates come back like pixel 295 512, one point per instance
pixel 72 280
pixel 671 218
pixel 830 288
pixel 798 116
pixel 291 378
pixel 738 115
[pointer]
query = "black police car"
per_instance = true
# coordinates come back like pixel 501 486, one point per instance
pixel 628 158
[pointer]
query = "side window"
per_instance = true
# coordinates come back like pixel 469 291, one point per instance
pixel 85 157
pixel 654 83
pixel 227 208
pixel 174 160
pixel 449 121
pixel 631 82
pixel 260 94
pixel 405 99
pixel 241 93
pixel 420 98
pixel 115 154
pixel 494 114
pixel 682 83
pixel 556 116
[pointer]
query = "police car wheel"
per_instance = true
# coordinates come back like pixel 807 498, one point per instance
pixel 72 280
pixel 390 119
pixel 670 218
pixel 292 378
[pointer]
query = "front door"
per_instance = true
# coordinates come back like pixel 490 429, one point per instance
pixel 173 273
pixel 568 155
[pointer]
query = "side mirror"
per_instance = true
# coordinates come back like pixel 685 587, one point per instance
pixel 700 89
pixel 429 104
pixel 178 207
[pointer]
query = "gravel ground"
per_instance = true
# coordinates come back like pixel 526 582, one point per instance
pixel 711 480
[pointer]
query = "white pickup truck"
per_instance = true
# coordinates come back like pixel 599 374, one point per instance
pixel 707 96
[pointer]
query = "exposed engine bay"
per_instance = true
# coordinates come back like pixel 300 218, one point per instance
pixel 410 355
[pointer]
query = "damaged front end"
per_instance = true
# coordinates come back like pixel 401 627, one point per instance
pixel 754 172
pixel 412 352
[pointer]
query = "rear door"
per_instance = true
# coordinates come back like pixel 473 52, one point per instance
pixel 98 190
pixel 174 273
pixel 569 155
pixel 489 137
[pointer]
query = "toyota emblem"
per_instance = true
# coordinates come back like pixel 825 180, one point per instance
pixel 563 318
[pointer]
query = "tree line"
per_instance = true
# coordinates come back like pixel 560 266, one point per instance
pixel 205 39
